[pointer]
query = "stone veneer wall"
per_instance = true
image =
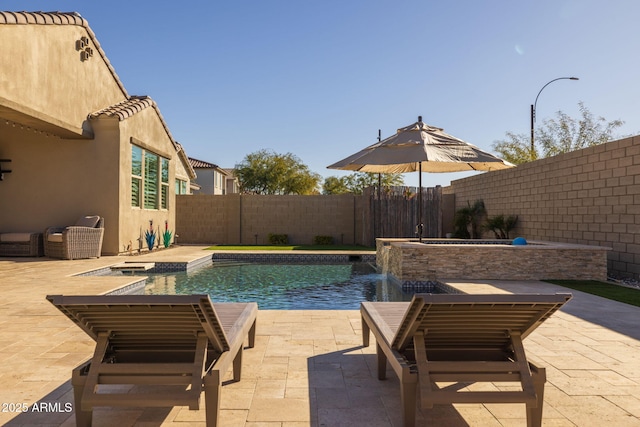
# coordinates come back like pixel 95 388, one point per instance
pixel 249 219
pixel 411 262
pixel 589 196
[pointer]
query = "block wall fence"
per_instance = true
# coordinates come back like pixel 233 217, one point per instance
pixel 249 219
pixel 589 196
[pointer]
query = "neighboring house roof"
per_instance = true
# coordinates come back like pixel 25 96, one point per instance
pixel 201 164
pixel 60 18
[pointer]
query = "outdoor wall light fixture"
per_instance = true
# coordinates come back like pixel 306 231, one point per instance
pixel 533 107
pixel 3 171
pixel 83 46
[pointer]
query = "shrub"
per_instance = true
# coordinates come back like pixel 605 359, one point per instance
pixel 501 225
pixel 467 220
pixel 323 240
pixel 278 239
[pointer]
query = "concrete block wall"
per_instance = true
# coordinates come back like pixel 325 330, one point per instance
pixel 300 217
pixel 589 196
pixel 207 218
pixel 249 219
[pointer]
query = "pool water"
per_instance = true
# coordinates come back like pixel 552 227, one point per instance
pixel 283 286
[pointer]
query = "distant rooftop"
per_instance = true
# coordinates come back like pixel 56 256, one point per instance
pixel 201 164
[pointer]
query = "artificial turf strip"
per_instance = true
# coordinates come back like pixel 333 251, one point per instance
pixel 290 248
pixel 602 289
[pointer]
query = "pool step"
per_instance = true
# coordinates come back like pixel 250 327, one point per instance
pixel 133 266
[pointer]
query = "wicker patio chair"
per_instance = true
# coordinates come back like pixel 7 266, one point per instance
pixel 81 240
pixel 21 244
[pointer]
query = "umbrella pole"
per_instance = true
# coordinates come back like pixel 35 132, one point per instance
pixel 379 205
pixel 420 225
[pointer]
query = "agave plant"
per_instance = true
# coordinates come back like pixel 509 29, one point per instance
pixel 150 236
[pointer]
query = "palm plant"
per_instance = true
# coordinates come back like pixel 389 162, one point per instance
pixel 501 225
pixel 467 220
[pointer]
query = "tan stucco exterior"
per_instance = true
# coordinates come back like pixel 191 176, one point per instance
pixel 67 125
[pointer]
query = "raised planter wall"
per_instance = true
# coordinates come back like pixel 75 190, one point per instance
pixel 411 261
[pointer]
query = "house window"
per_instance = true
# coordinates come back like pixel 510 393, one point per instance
pixel 136 175
pixel 149 179
pixel 181 186
pixel 164 184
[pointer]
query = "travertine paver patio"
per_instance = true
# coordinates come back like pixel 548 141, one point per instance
pixel 308 367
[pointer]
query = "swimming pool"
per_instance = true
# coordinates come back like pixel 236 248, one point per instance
pixel 338 286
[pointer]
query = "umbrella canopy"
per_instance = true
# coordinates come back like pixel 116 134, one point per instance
pixel 421 147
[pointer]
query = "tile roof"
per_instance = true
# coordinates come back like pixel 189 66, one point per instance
pixel 125 109
pixel 201 163
pixel 60 18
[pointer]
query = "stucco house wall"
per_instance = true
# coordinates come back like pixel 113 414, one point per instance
pixel 67 124
pixel 205 180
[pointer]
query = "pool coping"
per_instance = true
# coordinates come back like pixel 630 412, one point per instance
pixel 177 266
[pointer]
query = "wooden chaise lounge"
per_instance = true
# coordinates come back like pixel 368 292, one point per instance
pixel 167 349
pixel 460 339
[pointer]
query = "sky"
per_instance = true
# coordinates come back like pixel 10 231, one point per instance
pixel 319 78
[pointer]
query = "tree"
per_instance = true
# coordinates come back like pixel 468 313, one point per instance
pixel 266 172
pixel 557 136
pixel 358 181
pixel 334 185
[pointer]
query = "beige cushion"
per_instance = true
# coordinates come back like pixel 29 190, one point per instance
pixel 88 221
pixel 15 237
pixel 54 237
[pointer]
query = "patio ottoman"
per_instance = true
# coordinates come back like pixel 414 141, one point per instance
pixel 21 244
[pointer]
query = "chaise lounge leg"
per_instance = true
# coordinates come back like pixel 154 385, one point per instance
pixel 382 363
pixel 365 333
pixel 408 395
pixel 534 413
pixel 212 386
pixel 237 365
pixel 252 335
pixel 78 380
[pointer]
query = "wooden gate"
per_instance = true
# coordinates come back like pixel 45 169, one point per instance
pixel 393 212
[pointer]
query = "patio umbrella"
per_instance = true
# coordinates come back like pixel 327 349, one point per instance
pixel 421 147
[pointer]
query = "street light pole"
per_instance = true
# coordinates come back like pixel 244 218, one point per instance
pixel 533 108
